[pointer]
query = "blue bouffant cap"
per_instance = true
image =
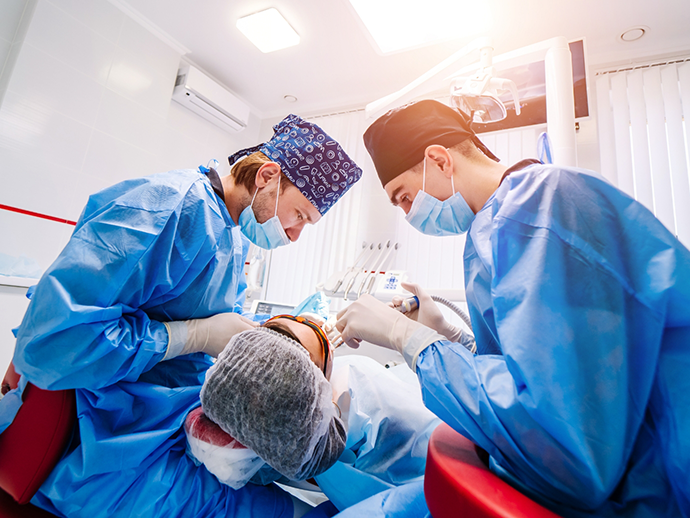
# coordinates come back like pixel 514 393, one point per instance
pixel 314 162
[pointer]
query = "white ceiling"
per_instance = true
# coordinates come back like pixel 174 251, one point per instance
pixel 336 67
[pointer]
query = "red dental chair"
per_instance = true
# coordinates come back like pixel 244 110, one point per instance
pixel 457 483
pixel 32 445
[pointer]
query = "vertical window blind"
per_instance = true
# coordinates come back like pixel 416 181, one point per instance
pixel 644 140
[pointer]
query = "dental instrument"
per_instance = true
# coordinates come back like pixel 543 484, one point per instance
pixel 361 269
pixel 363 256
pixel 377 266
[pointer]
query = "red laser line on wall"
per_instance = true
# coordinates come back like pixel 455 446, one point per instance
pixel 37 214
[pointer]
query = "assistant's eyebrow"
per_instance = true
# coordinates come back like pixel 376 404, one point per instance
pixel 394 195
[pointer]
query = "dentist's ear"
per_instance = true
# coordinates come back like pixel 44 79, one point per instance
pixel 267 172
pixel 442 157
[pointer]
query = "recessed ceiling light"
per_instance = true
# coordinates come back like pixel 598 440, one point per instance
pixel 268 30
pixel 397 25
pixel 634 33
pixel 290 98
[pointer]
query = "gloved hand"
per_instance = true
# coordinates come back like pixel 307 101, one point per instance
pixel 208 335
pixel 429 313
pixel 327 326
pixel 371 320
pixel 332 332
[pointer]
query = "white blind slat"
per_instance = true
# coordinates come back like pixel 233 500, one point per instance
pixel 502 150
pixel 642 170
pixel 489 140
pixel 676 150
pixel 529 141
pixel 514 146
pixel 621 125
pixel 607 141
pixel 658 148
pixel 684 79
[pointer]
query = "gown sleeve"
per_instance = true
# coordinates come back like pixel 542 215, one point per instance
pixel 86 325
pixel 560 410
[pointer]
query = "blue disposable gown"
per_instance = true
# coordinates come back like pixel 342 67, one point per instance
pixel 580 303
pixel 388 431
pixel 144 251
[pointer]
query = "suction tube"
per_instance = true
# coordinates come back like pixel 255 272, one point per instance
pixel 412 303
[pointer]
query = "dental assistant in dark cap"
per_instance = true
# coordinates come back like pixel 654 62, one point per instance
pixel 580 305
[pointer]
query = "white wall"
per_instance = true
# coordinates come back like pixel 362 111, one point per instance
pixel 13 302
pixel 86 104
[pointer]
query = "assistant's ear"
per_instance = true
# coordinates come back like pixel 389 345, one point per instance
pixel 267 172
pixel 441 157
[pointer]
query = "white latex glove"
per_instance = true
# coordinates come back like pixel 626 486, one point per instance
pixel 429 313
pixel 332 332
pixel 371 320
pixel 208 335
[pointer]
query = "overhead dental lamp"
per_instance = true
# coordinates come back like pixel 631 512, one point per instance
pixel 478 96
pixel 560 103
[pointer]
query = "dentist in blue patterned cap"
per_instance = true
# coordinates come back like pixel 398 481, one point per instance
pixel 148 289
pixel 278 187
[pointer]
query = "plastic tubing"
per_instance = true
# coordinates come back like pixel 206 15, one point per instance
pixel 412 303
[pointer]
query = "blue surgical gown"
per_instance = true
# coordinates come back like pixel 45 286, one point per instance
pixel 580 304
pixel 145 251
pixel 388 431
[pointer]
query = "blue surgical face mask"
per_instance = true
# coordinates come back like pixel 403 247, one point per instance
pixel 439 218
pixel 269 234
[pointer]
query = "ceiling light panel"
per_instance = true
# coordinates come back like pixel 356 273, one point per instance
pixel 268 30
pixel 397 25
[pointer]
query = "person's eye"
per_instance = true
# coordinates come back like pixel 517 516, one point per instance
pixel 299 216
pixel 405 199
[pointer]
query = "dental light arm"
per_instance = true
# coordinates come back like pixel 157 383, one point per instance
pixel 478 96
pixel 560 104
pixel 430 80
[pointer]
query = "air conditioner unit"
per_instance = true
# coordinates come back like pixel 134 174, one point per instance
pixel 208 99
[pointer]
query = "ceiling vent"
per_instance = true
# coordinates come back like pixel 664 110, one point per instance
pixel 208 99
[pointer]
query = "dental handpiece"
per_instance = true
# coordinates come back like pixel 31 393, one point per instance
pixel 408 305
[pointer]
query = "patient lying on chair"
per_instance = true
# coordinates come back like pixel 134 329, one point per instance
pixel 270 397
pixel 284 421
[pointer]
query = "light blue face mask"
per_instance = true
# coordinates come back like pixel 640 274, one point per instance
pixel 434 217
pixel 267 235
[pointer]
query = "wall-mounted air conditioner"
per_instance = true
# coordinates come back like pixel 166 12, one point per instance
pixel 208 99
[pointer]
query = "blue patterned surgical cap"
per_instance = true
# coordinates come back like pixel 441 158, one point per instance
pixel 314 162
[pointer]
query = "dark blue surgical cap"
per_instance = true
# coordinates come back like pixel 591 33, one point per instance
pixel 313 161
